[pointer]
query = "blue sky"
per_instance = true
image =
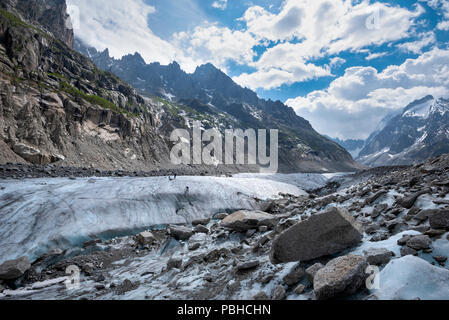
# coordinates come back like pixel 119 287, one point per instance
pixel 341 64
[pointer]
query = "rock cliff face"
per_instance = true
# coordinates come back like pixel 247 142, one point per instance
pixel 56 106
pixel 51 15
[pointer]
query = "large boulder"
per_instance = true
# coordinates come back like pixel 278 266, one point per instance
pixel 325 234
pixel 14 269
pixel 243 220
pixel 341 276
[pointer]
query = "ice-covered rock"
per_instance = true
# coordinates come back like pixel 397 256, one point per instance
pixel 411 277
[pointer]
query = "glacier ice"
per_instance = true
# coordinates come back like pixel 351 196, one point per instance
pixel 411 277
pixel 41 214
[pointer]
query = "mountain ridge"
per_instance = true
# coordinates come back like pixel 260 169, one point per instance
pixel 420 131
pixel 302 148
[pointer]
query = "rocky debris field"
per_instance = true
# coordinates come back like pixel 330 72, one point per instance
pixel 26 171
pixel 385 236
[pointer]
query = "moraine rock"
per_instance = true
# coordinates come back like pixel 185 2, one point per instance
pixel 248 265
pixel 295 274
pixel 321 235
pixel 300 289
pixel 409 201
pixel 145 238
pixel 341 276
pixel 201 229
pixel 194 246
pixel 312 270
pixel 376 196
pixel 261 296
pixel 378 256
pixel 220 216
pixel 407 251
pixel 203 222
pixel 181 233
pixel 439 219
pixel 174 263
pixel 14 269
pixel 243 220
pixel 279 293
pixel 420 242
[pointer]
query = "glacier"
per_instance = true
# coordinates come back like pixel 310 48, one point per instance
pixel 38 215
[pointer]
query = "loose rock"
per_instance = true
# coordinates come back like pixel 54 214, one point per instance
pixel 324 234
pixel 14 269
pixel 341 276
pixel 243 220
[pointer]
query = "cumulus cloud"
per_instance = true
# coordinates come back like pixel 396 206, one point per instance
pixel 354 103
pixel 443 7
pixel 122 27
pixel 320 28
pixel 426 39
pixel 211 43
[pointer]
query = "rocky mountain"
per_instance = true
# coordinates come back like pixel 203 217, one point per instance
pixel 419 132
pixel 51 15
pixel 57 107
pixel 211 96
pixel 351 145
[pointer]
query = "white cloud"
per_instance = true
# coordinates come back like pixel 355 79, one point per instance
pixel 443 7
pixel 122 27
pixel 270 78
pixel 211 43
pixel 321 27
pixel 353 104
pixel 220 4
pixel 417 46
pixel 337 61
pixel 376 55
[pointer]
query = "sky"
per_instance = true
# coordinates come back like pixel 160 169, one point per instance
pixel 341 64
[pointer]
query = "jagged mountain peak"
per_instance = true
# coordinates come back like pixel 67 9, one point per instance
pixel 219 101
pixel 134 58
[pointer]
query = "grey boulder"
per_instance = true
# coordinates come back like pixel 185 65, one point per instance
pixel 14 269
pixel 342 276
pixel 181 233
pixel 378 256
pixel 243 220
pixel 325 234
